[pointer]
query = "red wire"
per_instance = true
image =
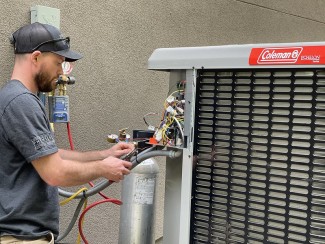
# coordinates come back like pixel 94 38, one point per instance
pixel 72 148
pixel 107 199
pixel 115 201
pixel 70 136
pixel 100 193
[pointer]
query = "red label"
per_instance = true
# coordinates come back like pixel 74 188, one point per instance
pixel 304 55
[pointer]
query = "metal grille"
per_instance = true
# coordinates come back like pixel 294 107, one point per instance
pixel 259 149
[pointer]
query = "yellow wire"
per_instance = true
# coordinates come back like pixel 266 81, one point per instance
pixel 169 122
pixel 85 205
pixel 166 104
pixel 73 196
pixel 174 93
pixel 168 119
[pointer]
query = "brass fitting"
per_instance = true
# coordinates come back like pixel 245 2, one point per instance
pixel 123 133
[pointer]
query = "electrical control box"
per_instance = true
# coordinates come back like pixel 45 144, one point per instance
pixel 45 15
pixel 59 109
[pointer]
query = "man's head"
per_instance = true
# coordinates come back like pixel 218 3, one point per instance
pixel 40 51
pixel 44 38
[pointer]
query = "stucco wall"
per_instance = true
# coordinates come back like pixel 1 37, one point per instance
pixel 114 89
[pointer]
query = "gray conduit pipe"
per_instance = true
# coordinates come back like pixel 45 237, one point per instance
pixel 73 220
pixel 97 188
pixel 135 161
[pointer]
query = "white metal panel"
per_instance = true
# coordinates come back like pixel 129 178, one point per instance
pixel 211 57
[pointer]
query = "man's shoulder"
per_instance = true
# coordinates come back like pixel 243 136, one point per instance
pixel 14 90
pixel 13 87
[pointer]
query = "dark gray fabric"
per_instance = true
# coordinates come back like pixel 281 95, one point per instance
pixel 45 38
pixel 29 207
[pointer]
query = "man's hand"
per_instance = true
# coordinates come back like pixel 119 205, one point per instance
pixel 115 168
pixel 120 149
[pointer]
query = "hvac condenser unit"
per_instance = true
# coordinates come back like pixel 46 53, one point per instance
pixel 253 162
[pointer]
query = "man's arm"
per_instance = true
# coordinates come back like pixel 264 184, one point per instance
pixel 117 150
pixel 57 171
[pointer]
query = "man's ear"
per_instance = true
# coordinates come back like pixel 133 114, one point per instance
pixel 35 56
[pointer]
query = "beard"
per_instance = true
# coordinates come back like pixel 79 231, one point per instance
pixel 44 82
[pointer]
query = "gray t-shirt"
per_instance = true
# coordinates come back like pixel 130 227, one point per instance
pixel 29 208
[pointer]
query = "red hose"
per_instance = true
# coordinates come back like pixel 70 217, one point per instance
pixel 107 199
pixel 100 193
pixel 115 201
pixel 72 148
pixel 70 136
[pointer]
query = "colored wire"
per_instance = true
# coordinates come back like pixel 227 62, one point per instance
pixel 100 193
pixel 180 128
pixel 72 148
pixel 171 120
pixel 73 196
pixel 179 85
pixel 179 91
pixel 145 121
pixel 70 136
pixel 82 189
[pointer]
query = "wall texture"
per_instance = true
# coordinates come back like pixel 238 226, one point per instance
pixel 114 89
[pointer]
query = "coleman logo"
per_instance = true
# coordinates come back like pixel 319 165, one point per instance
pixel 290 55
pixel 286 55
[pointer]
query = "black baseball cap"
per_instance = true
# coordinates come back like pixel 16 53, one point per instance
pixel 45 38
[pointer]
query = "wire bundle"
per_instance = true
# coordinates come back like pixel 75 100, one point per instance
pixel 171 126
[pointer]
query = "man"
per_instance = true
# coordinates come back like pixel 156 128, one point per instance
pixel 31 165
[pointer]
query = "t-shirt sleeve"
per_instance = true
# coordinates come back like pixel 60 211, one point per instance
pixel 27 127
